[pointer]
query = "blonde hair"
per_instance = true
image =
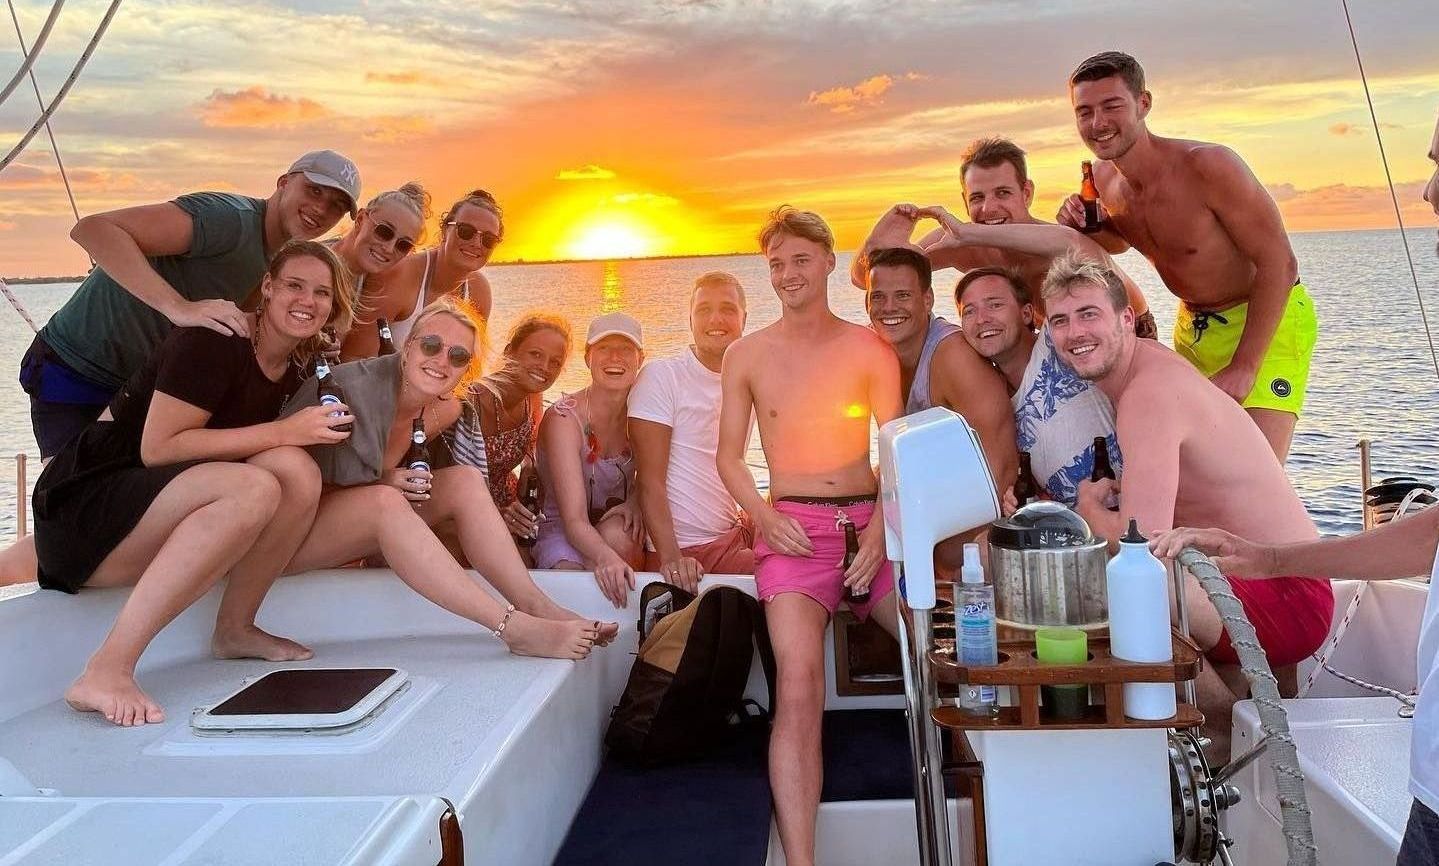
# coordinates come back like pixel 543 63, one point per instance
pixel 343 303
pixel 787 220
pixel 718 278
pixel 412 197
pixel 1073 269
pixel 465 313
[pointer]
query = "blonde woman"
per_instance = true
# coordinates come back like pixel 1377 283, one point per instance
pixel 373 505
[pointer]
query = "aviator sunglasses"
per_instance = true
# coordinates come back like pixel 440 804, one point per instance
pixel 386 233
pixel 431 344
pixel 488 240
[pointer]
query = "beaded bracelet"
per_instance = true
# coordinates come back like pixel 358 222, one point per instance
pixel 499 632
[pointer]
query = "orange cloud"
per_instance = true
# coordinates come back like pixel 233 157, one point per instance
pixel 1342 129
pixel 258 108
pixel 22 176
pixel 1341 205
pixel 869 92
pixel 8 225
pixel 396 128
pixel 585 172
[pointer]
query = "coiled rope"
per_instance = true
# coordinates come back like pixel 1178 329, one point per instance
pixel 1284 757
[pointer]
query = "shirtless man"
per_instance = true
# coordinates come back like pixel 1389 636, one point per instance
pixel 1191 458
pixel 1214 234
pixel 813 381
pixel 935 370
pixel 998 192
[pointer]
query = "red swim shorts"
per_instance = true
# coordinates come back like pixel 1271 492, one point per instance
pixel 1291 616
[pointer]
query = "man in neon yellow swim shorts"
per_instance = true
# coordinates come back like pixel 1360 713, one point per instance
pixel 1208 339
pixel 1214 234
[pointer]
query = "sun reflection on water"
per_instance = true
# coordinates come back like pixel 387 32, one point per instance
pixel 612 290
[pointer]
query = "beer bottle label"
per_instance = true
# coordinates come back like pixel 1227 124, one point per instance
pixel 385 332
pixel 419 466
pixel 329 400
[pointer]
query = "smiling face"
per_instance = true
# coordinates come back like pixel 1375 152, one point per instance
pixel 992 318
pixel 471 254
pixel 307 209
pixel 898 305
pixel 435 375
pixel 614 361
pixel 299 299
pixel 995 195
pixel 799 270
pixel 1109 116
pixel 1089 334
pixel 539 358
pixel 371 254
pixel 716 317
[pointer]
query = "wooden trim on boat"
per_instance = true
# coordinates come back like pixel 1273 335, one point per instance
pixel 968 774
pixel 452 841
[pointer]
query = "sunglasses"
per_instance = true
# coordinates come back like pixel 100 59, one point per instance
pixel 431 344
pixel 386 233
pixel 488 240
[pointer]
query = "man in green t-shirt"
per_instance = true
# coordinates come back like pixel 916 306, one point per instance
pixel 187 262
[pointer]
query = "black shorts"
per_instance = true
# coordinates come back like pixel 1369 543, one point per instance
pixel 62 402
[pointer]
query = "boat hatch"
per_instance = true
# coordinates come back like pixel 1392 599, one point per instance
pixel 303 700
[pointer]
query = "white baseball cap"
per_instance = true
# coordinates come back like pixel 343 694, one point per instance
pixel 611 324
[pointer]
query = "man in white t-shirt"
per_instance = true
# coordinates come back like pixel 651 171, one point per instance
pixel 695 527
pixel 1402 548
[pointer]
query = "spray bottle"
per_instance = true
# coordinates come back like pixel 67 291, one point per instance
pixel 974 611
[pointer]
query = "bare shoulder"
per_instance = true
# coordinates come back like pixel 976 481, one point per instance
pixel 863 338
pixel 1214 162
pixel 954 352
pixel 738 357
pixel 1162 382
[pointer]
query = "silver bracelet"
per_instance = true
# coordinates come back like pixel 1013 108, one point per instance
pixel 499 632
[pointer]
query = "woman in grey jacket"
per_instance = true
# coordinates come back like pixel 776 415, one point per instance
pixel 373 505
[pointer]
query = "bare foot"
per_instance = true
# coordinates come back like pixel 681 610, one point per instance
pixel 545 607
pixel 116 696
pixel 252 642
pixel 549 638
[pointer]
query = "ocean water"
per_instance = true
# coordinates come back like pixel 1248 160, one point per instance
pixel 1372 374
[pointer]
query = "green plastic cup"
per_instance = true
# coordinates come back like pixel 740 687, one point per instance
pixel 1061 646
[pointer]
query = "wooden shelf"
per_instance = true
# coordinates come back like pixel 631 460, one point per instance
pixel 1020 670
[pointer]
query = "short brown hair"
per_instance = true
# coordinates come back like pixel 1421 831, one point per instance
pixel 787 220
pixel 993 152
pixel 1072 269
pixel 1107 64
pixel 902 257
pixel 1009 275
pixel 718 278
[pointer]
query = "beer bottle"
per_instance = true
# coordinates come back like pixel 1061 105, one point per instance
pixel 387 341
pixel 417 458
pixel 1089 193
pixel 1101 469
pixel 1026 489
pixel 851 550
pixel 330 391
pixel 530 499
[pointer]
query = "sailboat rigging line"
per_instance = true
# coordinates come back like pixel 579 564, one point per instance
pixel 65 89
pixel 19 307
pixel 40 101
pixel 1398 212
pixel 31 56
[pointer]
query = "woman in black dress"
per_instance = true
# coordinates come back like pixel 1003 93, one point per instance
pixel 372 504
pixel 188 476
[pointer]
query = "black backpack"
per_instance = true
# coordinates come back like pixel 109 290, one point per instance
pixel 687 684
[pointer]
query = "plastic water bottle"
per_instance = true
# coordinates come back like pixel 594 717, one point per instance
pixel 974 610
pixel 1139 622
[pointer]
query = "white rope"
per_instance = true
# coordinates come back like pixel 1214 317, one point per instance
pixel 40 101
pixel 31 56
pixel 19 307
pixel 65 89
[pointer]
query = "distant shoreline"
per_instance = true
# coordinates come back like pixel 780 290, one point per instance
pixel 21 281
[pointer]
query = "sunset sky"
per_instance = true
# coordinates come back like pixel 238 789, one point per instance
pixel 660 128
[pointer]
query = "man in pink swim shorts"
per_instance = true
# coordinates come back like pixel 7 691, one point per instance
pixel 813 382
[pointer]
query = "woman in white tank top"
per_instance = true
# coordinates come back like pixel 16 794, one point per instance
pixel 469 232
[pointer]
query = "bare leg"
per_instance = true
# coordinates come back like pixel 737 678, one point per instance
pixel 622 542
pixel 886 613
pixel 459 495
pixel 1278 429
pixel 18 562
pixel 236 635
pixel 199 525
pixel 796 627
pixel 358 521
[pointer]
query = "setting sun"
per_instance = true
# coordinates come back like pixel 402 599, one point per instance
pixel 609 238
